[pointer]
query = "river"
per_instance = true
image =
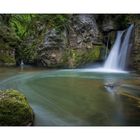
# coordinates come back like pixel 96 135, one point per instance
pixel 77 98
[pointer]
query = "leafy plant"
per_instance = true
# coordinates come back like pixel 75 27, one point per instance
pixel 21 24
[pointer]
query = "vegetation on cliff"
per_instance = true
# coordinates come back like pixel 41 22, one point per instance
pixel 57 40
pixel 30 30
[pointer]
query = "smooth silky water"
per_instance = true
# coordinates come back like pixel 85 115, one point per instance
pixel 77 97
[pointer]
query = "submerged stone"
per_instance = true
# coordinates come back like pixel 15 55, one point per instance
pixel 14 109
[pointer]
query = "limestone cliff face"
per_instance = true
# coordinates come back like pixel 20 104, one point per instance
pixel 83 32
pixel 71 46
pixel 50 52
pixel 135 53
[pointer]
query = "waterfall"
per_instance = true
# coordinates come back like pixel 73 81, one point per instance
pixel 117 59
pixel 112 59
pixel 125 48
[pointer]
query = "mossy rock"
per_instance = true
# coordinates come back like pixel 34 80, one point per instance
pixel 14 109
pixel 6 59
pixel 77 57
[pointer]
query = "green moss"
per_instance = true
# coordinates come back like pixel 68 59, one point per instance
pixel 14 109
pixel 74 58
pixel 92 54
pixel 7 59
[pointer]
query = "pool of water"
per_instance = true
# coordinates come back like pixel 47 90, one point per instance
pixel 77 98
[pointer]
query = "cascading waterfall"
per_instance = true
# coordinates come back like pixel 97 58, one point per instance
pixel 112 60
pixel 125 48
pixel 117 59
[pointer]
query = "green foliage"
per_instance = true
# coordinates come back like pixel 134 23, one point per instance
pixel 75 58
pixel 7 59
pixel 29 54
pixel 53 20
pixel 25 32
pixel 4 19
pixel 21 24
pixel 7 38
pixel 30 30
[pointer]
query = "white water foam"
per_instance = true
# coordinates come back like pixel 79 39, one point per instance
pixel 116 61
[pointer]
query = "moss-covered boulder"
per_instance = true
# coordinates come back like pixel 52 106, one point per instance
pixel 14 109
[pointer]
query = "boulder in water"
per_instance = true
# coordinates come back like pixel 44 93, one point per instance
pixel 14 109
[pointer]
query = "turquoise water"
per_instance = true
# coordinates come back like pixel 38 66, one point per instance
pixel 77 98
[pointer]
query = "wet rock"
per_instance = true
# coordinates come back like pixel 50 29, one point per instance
pixel 135 53
pixel 108 26
pixel 83 31
pixel 63 48
pixel 14 109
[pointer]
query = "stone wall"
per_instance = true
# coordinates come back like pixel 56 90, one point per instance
pixel 135 53
pixel 71 46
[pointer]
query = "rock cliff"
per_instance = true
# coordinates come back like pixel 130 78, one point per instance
pixel 83 38
pixel 80 42
pixel 135 52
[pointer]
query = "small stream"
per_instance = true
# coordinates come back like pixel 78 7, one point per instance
pixel 77 98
